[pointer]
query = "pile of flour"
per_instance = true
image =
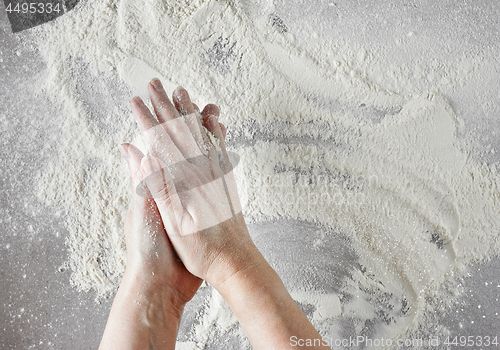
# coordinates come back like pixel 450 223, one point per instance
pixel 317 142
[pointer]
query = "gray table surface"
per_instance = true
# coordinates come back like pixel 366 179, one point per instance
pixel 38 307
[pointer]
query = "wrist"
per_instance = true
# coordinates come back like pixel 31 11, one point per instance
pixel 253 276
pixel 142 316
pixel 144 288
pixel 262 305
pixel 227 267
pixel 231 257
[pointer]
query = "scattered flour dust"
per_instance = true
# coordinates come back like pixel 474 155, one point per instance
pixel 382 168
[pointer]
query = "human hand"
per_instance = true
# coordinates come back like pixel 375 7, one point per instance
pixel 194 190
pixel 147 309
pixel 196 197
pixel 151 258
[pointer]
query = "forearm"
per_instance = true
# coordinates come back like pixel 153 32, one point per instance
pixel 266 311
pixel 141 317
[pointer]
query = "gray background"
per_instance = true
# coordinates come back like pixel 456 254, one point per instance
pixel 38 307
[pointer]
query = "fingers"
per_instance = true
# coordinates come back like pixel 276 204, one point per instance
pixel 158 139
pixel 210 109
pixel 181 132
pixel 184 136
pixel 144 229
pixel 164 109
pixel 213 125
pixel 162 188
pixel 223 128
pixel 142 114
pixel 133 156
pixel 138 204
pixel 173 139
pixel 158 181
pixel 182 101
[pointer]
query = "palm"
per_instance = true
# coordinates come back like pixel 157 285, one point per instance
pixel 185 283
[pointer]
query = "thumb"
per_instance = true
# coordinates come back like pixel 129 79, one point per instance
pixel 144 229
pixel 133 157
pixel 162 188
pixel 139 203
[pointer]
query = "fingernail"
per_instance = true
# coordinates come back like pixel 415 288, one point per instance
pixel 137 100
pixel 213 120
pixel 181 94
pixel 124 151
pixel 157 85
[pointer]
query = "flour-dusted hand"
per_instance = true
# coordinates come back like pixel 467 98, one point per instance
pixel 188 202
pixel 190 178
pixel 150 254
pixel 156 285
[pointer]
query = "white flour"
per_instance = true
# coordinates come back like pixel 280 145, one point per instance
pixel 317 141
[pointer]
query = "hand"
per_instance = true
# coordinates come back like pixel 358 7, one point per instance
pixel 196 197
pixel 194 191
pixel 148 306
pixel 156 285
pixel 151 258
